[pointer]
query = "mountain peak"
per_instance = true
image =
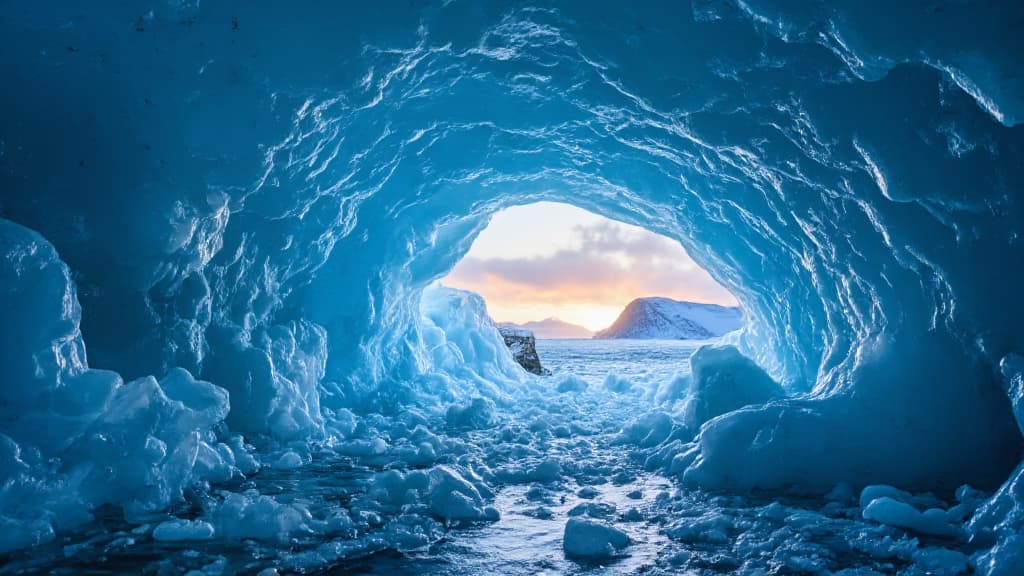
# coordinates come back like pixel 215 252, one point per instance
pixel 657 317
pixel 553 327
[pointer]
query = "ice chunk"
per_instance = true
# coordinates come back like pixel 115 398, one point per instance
pixel 886 510
pixel 725 380
pixel 712 527
pixel 942 561
pixel 616 383
pixel 252 515
pixel 647 430
pixel 571 383
pixel 592 539
pixel 452 497
pixel 289 460
pixel 477 414
pixel 593 509
pixel 871 493
pixel 672 390
pixel 179 530
pixel 462 340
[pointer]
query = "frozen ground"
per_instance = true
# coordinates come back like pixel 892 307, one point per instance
pixel 552 457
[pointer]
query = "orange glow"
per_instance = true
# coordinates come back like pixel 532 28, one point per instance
pixel 551 260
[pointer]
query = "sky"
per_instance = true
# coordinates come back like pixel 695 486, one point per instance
pixel 555 260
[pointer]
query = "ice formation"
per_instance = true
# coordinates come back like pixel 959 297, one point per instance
pixel 238 211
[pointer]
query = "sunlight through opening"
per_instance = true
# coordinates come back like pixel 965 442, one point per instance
pixel 563 272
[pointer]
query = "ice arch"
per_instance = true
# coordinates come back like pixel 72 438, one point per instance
pixel 258 195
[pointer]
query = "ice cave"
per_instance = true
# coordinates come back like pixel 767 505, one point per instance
pixel 223 349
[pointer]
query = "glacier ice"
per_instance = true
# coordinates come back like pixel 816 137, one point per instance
pixel 76 438
pixel 220 228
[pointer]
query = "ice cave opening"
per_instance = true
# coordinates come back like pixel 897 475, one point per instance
pixel 551 271
pixel 222 348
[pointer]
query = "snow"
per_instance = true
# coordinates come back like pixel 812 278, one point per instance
pixel 513 330
pixel 219 241
pixel 667 319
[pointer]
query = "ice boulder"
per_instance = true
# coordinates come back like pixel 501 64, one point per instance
pixel 647 430
pixel 450 493
pixel 452 497
pixel 182 530
pixel 252 515
pixel 41 347
pixel 725 380
pixel 478 413
pixel 585 538
pixel 942 562
pixel 461 340
pixel 892 512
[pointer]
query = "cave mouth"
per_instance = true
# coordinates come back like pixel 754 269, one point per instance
pixel 562 273
pixel 551 259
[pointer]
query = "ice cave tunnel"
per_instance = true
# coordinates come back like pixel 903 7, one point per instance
pixel 219 222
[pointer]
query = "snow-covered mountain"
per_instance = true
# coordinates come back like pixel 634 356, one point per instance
pixel 555 328
pixel 664 318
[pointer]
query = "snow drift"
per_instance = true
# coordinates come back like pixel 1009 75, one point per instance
pixel 249 201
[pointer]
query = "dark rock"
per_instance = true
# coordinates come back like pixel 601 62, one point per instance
pixel 524 348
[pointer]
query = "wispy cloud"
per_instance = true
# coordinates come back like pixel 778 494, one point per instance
pixel 608 265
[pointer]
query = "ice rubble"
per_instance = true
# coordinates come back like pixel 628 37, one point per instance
pixel 75 438
pixel 251 216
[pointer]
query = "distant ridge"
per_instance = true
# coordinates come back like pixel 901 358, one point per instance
pixel 554 328
pixel 667 319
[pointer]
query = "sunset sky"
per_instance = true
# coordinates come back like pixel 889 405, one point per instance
pixel 547 259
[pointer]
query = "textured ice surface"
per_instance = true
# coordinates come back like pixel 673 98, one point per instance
pixel 246 204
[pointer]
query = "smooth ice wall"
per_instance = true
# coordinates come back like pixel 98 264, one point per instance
pixel 259 193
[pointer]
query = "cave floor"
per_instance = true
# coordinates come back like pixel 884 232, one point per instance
pixel 554 456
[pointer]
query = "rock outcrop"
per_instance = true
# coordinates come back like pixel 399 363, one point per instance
pixel 524 348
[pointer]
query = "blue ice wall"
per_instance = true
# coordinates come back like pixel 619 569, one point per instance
pixel 259 192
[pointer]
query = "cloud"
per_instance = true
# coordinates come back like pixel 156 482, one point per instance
pixel 612 265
